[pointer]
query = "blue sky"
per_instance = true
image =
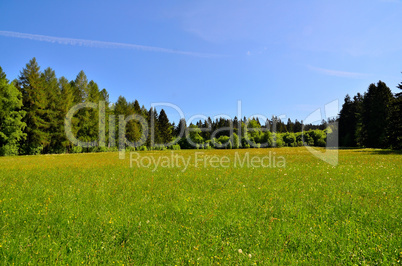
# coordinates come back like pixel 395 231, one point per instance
pixel 277 57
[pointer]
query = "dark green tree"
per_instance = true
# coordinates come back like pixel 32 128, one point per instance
pixel 54 130
pixel 375 116
pixel 395 122
pixel 34 101
pixel 11 115
pixel 66 102
pixel 80 86
pixel 165 128
pixel 348 122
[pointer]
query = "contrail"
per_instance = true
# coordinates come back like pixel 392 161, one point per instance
pixel 99 44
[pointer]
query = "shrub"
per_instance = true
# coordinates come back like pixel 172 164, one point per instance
pixel 230 146
pixel 175 147
pixel 289 139
pixel 130 148
pixel 102 149
pixel 143 148
pixel 277 140
pixel 236 142
pixel 267 139
pixel 308 139
pixel 9 150
pixel 76 149
pixel 112 149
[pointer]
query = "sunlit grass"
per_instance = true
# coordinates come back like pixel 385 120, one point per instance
pixel 95 208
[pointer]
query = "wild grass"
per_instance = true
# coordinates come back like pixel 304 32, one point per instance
pixel 94 208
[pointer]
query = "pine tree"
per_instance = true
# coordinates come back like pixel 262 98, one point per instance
pixel 104 96
pixel 11 115
pixel 54 125
pixel 375 116
pixel 137 108
pixel 181 128
pixel 348 123
pixel 120 108
pixel 153 122
pixel 395 122
pixel 165 128
pixel 66 102
pixel 86 92
pixel 297 127
pixel 133 127
pixel 290 125
pixel 91 116
pixel 80 85
pixel 34 101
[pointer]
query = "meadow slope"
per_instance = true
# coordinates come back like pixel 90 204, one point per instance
pixel 92 208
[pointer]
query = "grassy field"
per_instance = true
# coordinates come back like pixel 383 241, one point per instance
pixel 93 208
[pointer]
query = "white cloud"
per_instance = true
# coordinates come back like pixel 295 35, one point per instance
pixel 98 44
pixel 337 73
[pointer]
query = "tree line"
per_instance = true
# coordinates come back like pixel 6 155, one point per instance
pixel 372 119
pixel 34 106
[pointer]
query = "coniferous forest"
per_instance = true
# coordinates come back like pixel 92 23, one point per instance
pixel 33 108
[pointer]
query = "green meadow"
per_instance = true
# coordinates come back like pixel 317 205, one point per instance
pixel 95 208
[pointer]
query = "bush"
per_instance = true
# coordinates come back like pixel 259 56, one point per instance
pixel 230 146
pixel 92 149
pixel 245 143
pixel 300 143
pixel 130 148
pixel 321 143
pixel 102 149
pixel 267 139
pixel 308 139
pixel 236 142
pixel 9 150
pixel 215 143
pixel 279 143
pixel 289 139
pixel 175 147
pixel 112 149
pixel 277 140
pixel 143 148
pixel 76 149
pixel 223 142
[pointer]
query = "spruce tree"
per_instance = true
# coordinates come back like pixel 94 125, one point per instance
pixel 165 128
pixel 80 85
pixel 375 116
pixel 67 100
pixel 34 101
pixel 395 122
pixel 347 123
pixel 53 100
pixel 11 115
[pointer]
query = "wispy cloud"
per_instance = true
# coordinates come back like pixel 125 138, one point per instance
pixel 99 44
pixel 391 1
pixel 337 73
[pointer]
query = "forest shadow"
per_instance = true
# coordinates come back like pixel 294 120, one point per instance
pixel 373 151
pixel 386 152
